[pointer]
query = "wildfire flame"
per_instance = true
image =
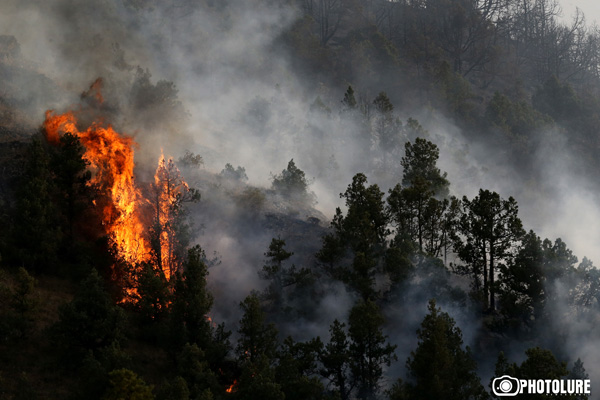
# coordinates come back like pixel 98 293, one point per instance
pixel 111 158
pixel 232 388
pixel 170 188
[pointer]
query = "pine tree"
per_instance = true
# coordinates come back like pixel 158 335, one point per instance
pixel 522 283
pixel 336 359
pixel 293 184
pixel 439 368
pixel 419 207
pixel 369 349
pixel 420 168
pixel 492 228
pixel 191 303
pixel 256 351
pixel 387 128
pixel 90 322
pixel 296 370
pixel 257 339
pixel 125 384
pixel 36 232
pixel 362 231
pixel 349 100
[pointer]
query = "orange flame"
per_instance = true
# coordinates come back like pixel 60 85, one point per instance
pixel 232 388
pixel 111 158
pixel 110 155
pixel 170 189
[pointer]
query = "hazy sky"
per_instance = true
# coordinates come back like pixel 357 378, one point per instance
pixel 591 9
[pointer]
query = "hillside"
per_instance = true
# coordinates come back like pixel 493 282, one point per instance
pixel 299 199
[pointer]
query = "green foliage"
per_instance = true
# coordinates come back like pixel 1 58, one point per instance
pixel 258 381
pixel 557 100
pixel 292 184
pixel 258 340
pixel 540 364
pixel 296 370
pixel 419 208
pixel 455 90
pixel 174 389
pixel 282 278
pixel 191 160
pixel 234 174
pixel 191 303
pixel 319 107
pixel 522 283
pixel 420 167
pixel 559 260
pixel 491 228
pixel 519 120
pixel 126 385
pixel 365 225
pixel 440 367
pixel 37 234
pixel 155 105
pixel 386 128
pixel 362 230
pixel 193 367
pixel 153 295
pixel 336 359
pixel 349 100
pixel 89 323
pixel 276 256
pixel 369 349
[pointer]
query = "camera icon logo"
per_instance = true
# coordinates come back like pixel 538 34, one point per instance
pixel 506 386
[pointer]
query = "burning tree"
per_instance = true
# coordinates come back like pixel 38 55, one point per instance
pixel 122 205
pixel 169 192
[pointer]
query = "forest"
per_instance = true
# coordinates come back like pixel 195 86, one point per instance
pixel 297 199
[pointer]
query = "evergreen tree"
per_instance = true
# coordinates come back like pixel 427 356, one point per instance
pixel 419 206
pixel 292 184
pixel 369 350
pixel 36 233
pixel 522 283
pixel 363 231
pixel 492 229
pixel 296 370
pixel 280 276
pixel 440 368
pixel 336 359
pixel 72 181
pixel 256 351
pixel 387 128
pixel 153 297
pixel 349 100
pixel 192 303
pixel 127 385
pixel 559 260
pixel 257 339
pixel 90 322
pixel 420 168
pixel 578 372
pixel 539 364
pixel 193 367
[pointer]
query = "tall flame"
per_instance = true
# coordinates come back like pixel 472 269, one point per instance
pixel 111 158
pixel 170 189
pixel 110 155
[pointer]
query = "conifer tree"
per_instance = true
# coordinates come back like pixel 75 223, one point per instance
pixel 336 359
pixel 369 348
pixel 439 368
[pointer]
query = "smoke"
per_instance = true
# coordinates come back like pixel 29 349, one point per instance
pixel 238 99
